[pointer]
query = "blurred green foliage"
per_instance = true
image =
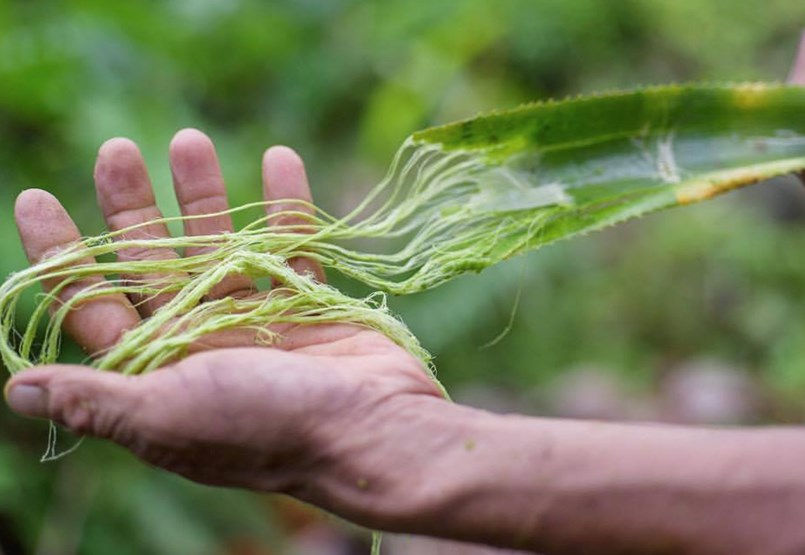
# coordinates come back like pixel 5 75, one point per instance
pixel 344 82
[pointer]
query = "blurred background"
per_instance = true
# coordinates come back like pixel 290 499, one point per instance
pixel 692 316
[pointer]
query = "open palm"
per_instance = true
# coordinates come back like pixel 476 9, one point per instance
pixel 235 413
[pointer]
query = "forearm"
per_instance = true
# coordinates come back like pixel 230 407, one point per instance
pixel 570 487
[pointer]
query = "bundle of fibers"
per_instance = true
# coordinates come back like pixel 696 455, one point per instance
pixel 456 199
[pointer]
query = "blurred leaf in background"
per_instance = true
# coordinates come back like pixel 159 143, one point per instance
pixel 344 82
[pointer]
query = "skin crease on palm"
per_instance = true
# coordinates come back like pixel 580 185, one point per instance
pixel 340 416
pixel 314 369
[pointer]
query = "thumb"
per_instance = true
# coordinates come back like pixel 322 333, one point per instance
pixel 86 401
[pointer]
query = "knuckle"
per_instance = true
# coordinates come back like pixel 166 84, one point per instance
pixel 125 216
pixel 208 204
pixel 145 253
pixel 75 411
pixel 87 411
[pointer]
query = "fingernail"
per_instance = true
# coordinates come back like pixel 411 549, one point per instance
pixel 28 400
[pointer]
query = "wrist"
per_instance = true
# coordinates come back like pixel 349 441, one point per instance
pixel 417 464
pixel 377 471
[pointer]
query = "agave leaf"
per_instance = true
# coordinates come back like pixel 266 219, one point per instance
pixel 458 198
pixel 478 191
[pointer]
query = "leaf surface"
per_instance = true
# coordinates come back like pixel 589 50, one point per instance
pixel 478 191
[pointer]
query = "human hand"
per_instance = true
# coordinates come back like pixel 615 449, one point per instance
pixel 238 415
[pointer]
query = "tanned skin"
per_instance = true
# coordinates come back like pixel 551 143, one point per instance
pixel 341 417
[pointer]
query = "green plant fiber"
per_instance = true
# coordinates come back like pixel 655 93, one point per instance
pixel 456 199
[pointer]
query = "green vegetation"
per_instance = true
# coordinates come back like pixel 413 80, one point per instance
pixel 458 198
pixel 344 83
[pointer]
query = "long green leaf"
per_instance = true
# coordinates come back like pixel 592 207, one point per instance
pixel 515 180
pixel 457 198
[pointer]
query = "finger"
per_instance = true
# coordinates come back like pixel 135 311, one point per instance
pixel 797 75
pixel 45 228
pixel 126 198
pixel 284 178
pixel 88 402
pixel 200 190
